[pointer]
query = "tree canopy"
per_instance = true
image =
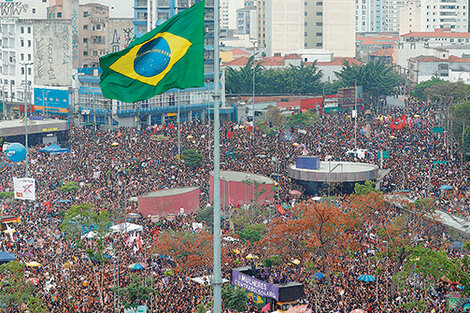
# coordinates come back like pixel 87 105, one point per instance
pixel 376 78
pixel 295 80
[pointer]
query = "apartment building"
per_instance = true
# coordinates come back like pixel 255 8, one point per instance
pixel 427 15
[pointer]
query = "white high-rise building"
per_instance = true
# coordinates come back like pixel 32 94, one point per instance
pixel 427 15
pixel 339 34
pixel 228 13
pixel 284 26
pixel 17 44
pixel 378 15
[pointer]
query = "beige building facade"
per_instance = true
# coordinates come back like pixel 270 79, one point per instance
pixel 339 27
pixel 284 26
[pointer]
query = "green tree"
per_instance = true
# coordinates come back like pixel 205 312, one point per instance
pixel 206 214
pixel 241 81
pixel 446 92
pixel 461 117
pixel 274 115
pixel 136 293
pixel 368 187
pixel 85 218
pixel 36 305
pixel 427 267
pixel 419 91
pixel 252 233
pixel 234 298
pixel 302 119
pixel 6 195
pixel 15 291
pixel 192 158
pixel 69 186
pixel 377 78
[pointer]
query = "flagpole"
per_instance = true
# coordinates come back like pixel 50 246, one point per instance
pixel 179 133
pixel 355 119
pixel 217 274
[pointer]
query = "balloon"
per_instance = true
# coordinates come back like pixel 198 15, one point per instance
pixel 16 152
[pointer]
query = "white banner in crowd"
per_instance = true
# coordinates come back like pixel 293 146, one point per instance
pixel 25 188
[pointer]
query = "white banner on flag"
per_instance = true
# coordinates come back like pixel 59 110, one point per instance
pixel 25 188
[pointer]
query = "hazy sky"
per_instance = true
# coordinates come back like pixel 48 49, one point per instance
pixel 117 8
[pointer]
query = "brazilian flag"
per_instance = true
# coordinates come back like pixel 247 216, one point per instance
pixel 170 56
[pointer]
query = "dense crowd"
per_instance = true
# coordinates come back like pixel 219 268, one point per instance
pixel 113 166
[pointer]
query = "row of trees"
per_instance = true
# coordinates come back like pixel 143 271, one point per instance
pixel 377 79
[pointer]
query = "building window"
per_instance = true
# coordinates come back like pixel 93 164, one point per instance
pixel 34 11
pixel 319 23
pixel 85 14
pixel 22 29
pixel 85 40
pixel 85 52
pixel 29 71
pixel 29 57
pixel 95 53
pixel 29 43
pixel 319 13
pixel 85 26
pixel 29 29
pixel 22 71
pixel 319 44
pixel 319 34
pixel 22 42
pixel 59 14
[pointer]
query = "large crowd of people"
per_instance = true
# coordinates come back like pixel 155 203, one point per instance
pixel 113 166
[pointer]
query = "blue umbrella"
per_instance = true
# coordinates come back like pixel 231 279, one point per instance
pixel 460 287
pixel 6 257
pixel 366 278
pixel 445 187
pixel 457 245
pixel 319 276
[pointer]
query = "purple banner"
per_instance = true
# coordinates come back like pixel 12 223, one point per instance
pixel 256 286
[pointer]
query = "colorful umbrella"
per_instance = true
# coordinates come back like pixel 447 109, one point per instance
pixel 33 264
pixel 319 276
pixel 295 262
pixel 366 278
pixel 295 192
pixel 33 280
pixel 358 311
pixel 136 266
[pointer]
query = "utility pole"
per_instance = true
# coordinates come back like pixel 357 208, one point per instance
pixel 94 111
pixel 26 114
pixel 217 271
pixel 254 75
pixel 355 120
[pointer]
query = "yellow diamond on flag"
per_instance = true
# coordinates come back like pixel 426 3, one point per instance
pixel 150 61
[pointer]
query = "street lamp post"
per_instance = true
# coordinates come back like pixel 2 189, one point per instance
pixel 254 76
pixel 26 114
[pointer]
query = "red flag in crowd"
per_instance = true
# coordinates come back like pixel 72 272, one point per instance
pixel 229 134
pixel 398 123
pixel 171 126
pixel 280 209
pixel 250 128
pixel 155 129
pixel 48 205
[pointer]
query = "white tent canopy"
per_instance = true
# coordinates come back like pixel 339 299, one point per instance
pixel 126 228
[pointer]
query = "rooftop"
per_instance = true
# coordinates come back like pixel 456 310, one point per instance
pixel 438 33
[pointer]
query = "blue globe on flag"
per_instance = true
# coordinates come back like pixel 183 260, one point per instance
pixel 16 152
pixel 152 58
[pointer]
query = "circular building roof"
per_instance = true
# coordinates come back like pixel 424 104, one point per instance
pixel 335 172
pixel 168 192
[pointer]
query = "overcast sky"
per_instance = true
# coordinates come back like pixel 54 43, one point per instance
pixel 117 8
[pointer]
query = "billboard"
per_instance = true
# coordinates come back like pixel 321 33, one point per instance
pixel 53 53
pixel 25 188
pixel 256 286
pixel 55 101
